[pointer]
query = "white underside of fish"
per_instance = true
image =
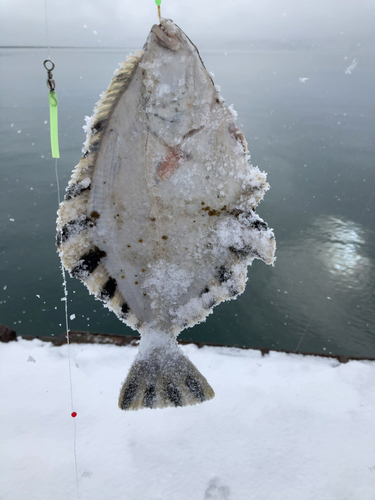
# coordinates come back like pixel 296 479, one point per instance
pixel 159 217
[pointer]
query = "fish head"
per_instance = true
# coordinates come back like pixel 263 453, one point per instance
pixel 178 92
pixel 168 35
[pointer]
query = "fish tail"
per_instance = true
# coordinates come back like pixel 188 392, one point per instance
pixel 159 379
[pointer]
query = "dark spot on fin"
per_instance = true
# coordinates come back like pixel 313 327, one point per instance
pixel 150 395
pixel 87 263
pixel 195 388
pixel 260 225
pixel 73 227
pixel 224 274
pixel 98 125
pixel 129 395
pixel 205 290
pixel 233 291
pixel 241 252
pixel 94 147
pixel 245 251
pixel 125 310
pixel 109 290
pixel 75 190
pixel 174 394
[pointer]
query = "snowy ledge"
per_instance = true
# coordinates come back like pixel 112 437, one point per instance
pixel 281 426
pixel 82 337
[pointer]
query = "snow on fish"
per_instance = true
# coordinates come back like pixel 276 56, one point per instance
pixel 159 219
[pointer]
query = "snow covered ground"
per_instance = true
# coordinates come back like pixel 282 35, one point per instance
pixel 283 427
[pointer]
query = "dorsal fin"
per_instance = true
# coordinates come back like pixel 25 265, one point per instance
pixel 78 252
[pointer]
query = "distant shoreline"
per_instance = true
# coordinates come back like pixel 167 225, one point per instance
pixel 231 48
pixel 59 47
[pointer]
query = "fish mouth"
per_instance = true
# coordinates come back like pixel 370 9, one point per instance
pixel 166 34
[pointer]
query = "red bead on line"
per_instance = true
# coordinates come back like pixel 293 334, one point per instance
pixel 74 414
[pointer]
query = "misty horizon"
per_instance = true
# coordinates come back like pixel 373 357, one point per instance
pixel 209 24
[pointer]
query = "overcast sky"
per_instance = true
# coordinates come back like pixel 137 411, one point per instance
pixel 209 22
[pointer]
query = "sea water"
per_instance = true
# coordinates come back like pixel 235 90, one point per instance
pixel 309 124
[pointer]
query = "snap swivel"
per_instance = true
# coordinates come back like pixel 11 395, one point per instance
pixel 50 80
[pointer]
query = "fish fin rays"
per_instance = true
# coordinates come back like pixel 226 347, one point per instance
pixel 155 381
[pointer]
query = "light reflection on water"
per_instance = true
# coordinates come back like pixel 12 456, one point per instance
pixel 342 251
pixel 325 284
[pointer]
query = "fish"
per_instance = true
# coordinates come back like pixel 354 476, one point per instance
pixel 158 219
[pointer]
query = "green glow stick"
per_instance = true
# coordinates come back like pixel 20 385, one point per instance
pixel 158 2
pixel 52 99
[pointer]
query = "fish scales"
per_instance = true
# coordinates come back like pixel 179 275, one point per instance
pixel 159 218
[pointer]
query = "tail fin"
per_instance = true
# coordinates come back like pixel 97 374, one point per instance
pixel 161 379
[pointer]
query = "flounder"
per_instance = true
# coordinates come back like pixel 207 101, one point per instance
pixel 158 219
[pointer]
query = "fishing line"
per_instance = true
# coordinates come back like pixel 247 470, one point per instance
pixel 307 327
pixel 54 137
pixel 65 299
pixel 47 34
pixel 366 207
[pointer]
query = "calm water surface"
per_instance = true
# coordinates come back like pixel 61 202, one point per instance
pixel 314 138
